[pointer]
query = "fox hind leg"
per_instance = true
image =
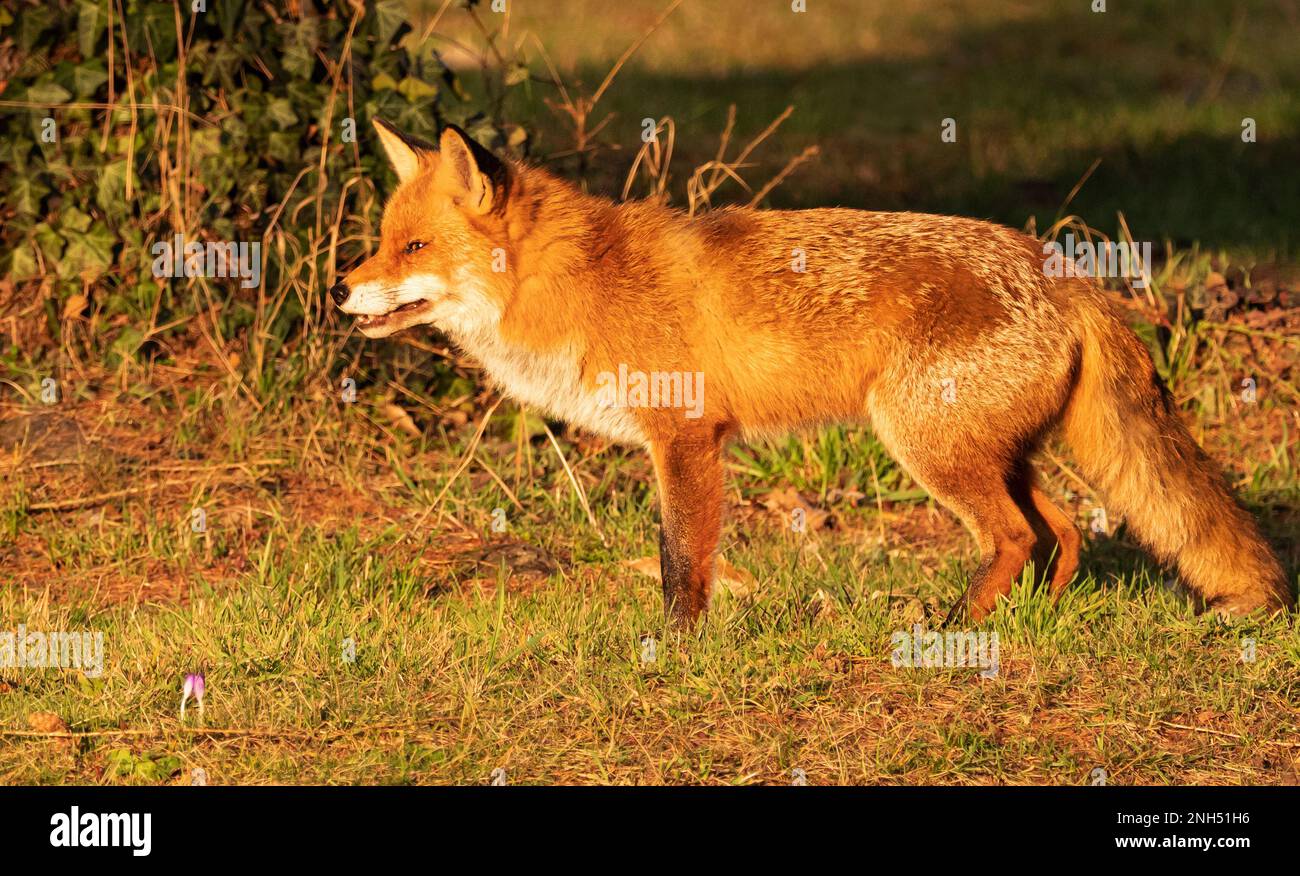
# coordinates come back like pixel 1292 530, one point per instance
pixel 1059 541
pixel 979 475
pixel 1068 542
pixel 1005 537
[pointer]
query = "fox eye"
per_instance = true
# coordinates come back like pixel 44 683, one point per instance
pixel 415 246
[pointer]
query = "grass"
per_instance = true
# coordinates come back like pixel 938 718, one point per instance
pixel 479 648
pixel 549 685
pixel 521 649
pixel 1039 91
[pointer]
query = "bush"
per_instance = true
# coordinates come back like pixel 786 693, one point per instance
pixel 128 122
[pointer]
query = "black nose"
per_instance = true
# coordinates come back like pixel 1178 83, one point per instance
pixel 339 292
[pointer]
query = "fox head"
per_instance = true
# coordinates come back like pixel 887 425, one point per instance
pixel 437 240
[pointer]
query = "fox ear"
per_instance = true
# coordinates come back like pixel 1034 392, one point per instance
pixel 471 173
pixel 404 151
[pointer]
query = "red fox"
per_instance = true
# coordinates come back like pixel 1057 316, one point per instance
pixel 945 333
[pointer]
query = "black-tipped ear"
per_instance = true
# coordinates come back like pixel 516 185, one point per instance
pixel 404 152
pixel 474 176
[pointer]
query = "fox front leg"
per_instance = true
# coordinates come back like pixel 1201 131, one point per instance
pixel 689 472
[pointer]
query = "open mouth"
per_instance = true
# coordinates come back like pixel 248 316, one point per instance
pixel 407 315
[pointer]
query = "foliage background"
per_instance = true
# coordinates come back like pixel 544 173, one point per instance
pixel 245 121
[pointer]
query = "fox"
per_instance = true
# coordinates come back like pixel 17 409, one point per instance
pixel 944 334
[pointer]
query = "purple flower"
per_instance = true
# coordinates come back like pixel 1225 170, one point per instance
pixel 193 687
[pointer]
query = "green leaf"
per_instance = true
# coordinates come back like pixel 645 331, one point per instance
pixel 89 254
pixel 34 21
pixel 50 243
pixel 416 90
pixel 229 12
pixel 73 219
pixel 300 41
pixel 26 193
pixel 90 686
pixel 110 188
pixel 148 767
pixel 390 15
pixel 281 113
pixel 154 25
pixel 21 263
pixel 283 145
pixel 48 93
pixel 87 77
pixel 157 768
pixel 125 346
pixel 14 152
pixel 92 19
pixel 120 762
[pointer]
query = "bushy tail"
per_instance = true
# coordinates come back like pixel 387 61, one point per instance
pixel 1122 427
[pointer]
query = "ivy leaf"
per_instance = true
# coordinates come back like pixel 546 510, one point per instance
pixel 230 14
pixel 301 40
pixel 152 24
pixel 89 254
pixel 390 15
pixel 223 65
pixel 125 346
pixel 32 23
pixel 26 193
pixel 92 19
pixel 21 264
pixel 50 243
pixel 120 762
pixel 87 77
pixel 157 768
pixel 281 112
pixel 48 93
pixel 14 152
pixel 416 90
pixel 73 219
pixel 283 145
pixel 110 188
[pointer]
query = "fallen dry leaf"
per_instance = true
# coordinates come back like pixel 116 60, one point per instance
pixel 400 418
pixel 739 582
pixel 648 566
pixel 46 722
pixel 788 501
pixel 74 305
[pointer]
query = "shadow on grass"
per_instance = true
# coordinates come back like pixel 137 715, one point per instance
pixel 1118 556
pixel 1153 91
